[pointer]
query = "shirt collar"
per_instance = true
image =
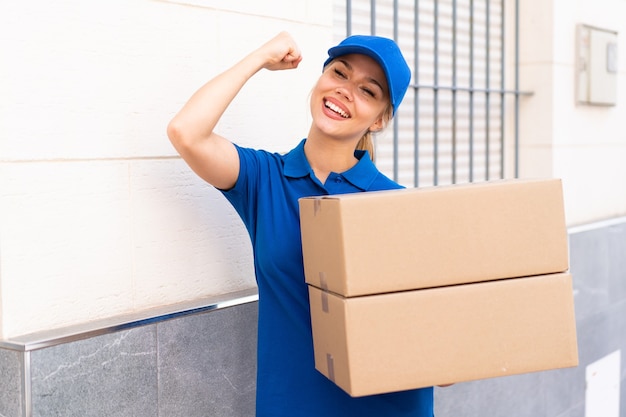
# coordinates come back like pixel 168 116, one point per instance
pixel 361 175
pixel 296 165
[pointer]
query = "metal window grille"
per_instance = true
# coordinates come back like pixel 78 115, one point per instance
pixel 458 121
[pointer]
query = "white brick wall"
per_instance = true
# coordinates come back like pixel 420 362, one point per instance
pixel 98 215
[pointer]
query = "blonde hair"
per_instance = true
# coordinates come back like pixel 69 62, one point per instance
pixel 366 143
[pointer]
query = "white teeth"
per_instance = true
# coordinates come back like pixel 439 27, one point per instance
pixel 336 109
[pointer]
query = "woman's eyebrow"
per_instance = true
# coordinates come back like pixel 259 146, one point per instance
pixel 370 79
pixel 375 81
pixel 346 63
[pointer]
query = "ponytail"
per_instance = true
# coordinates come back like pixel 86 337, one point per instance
pixel 366 143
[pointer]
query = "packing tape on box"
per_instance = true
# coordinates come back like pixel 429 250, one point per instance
pixel 323 282
pixel 324 287
pixel 330 364
pixel 317 206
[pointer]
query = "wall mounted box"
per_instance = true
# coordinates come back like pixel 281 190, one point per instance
pixel 377 242
pixel 597 66
pixel 411 339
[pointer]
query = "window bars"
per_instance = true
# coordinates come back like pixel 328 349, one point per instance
pixel 455 124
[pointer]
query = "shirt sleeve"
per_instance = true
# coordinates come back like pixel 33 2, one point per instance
pixel 243 196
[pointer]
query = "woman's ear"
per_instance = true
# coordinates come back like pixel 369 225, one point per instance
pixel 382 120
pixel 378 125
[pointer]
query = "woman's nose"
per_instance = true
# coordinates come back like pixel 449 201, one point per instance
pixel 345 91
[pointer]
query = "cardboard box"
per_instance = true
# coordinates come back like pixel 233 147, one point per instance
pixel 397 341
pixel 377 242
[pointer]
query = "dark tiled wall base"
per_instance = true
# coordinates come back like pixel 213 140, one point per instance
pixel 204 364
pixel 11 395
pixel 196 365
pixel 109 375
pixel 207 364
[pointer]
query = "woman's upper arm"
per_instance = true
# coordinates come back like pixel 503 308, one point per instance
pixel 214 159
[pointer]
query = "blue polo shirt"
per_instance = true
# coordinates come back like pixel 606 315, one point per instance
pixel 266 197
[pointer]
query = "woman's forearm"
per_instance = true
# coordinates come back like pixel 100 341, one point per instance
pixel 199 116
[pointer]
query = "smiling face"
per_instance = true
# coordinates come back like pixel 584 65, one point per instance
pixel 350 98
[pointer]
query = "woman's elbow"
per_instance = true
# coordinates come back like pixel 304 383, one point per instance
pixel 175 132
pixel 180 137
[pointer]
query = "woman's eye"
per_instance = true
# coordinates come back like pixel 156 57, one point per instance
pixel 339 73
pixel 368 92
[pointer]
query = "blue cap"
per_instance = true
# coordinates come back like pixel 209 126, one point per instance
pixel 388 55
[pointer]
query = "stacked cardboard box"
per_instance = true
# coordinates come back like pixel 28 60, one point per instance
pixel 420 287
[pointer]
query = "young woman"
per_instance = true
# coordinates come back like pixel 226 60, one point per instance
pixel 362 83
